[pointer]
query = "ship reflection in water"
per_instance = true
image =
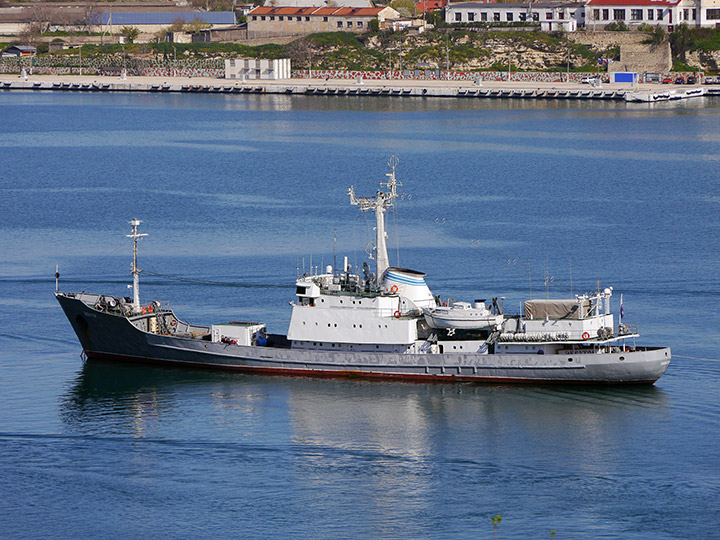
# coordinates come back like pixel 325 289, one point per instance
pixel 401 455
pixel 404 419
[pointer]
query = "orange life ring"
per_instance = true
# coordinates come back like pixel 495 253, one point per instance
pixel 586 336
pixel 397 314
pixel 394 289
pixel 150 308
pixel 143 310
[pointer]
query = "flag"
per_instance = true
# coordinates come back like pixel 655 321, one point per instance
pixel 622 311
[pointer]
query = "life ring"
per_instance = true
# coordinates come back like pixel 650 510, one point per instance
pixel 143 310
pixel 150 308
pixel 397 314
pixel 394 289
pixel 585 336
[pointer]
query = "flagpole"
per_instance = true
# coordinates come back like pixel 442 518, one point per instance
pixel 621 318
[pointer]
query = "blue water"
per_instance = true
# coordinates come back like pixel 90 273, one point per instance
pixel 236 193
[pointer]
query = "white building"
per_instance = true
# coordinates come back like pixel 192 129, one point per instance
pixel 554 15
pixel 665 13
pixel 257 69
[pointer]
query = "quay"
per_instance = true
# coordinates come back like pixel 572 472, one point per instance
pixel 349 87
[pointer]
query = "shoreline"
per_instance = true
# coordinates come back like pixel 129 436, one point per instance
pixel 347 87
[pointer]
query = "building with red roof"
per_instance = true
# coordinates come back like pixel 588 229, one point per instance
pixel 267 21
pixel 427 6
pixel 666 13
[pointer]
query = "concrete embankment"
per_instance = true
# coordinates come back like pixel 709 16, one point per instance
pixel 338 87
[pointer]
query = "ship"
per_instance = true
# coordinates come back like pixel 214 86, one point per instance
pixel 387 324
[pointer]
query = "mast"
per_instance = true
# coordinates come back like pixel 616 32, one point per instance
pixel 379 204
pixel 134 269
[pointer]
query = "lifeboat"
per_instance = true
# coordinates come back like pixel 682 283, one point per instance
pixel 462 315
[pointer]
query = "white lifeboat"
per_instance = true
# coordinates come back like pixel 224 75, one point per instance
pixel 462 315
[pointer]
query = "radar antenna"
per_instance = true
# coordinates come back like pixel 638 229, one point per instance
pixel 379 204
pixel 134 223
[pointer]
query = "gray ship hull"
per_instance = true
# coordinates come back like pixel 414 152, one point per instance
pixel 112 336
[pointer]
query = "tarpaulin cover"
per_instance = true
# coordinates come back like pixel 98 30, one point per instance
pixel 556 309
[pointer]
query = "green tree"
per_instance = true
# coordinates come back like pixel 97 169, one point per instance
pixel 374 25
pixel 178 25
pixel 130 33
pixel 406 8
pixel 680 41
pixel 196 25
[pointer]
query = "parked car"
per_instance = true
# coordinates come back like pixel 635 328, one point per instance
pixel 590 79
pixel 679 80
pixel 691 79
pixel 711 80
pixel 667 80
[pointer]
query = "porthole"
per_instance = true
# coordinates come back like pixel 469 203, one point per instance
pixel 622 358
pixel 361 326
pixel 328 325
pixel 335 325
pixel 569 359
pixel 354 326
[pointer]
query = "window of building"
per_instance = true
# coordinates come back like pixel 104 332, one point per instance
pixel 548 15
pixel 339 23
pixel 536 17
pixel 685 14
pixel 496 16
pixel 349 24
pixel 619 14
pixel 636 14
pixel 272 17
pixel 254 17
pixel 359 24
pixel 659 14
pixel 523 16
pixel 299 19
pixel 650 14
pixel 458 17
pixel 263 17
pixel 713 14
pixel 307 18
pixel 280 18
pixel 483 16
pixel 561 15
pixel 606 15
pixel 596 14
pixel 471 16
pixel 694 14
pixel 325 19
pixel 509 16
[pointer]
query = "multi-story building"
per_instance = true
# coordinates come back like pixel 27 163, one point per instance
pixel 554 15
pixel 266 21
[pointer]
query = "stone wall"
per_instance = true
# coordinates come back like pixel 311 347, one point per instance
pixel 642 58
pixel 602 40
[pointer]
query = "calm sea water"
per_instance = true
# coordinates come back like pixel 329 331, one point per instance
pixel 512 199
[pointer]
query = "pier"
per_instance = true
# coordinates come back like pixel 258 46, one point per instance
pixel 345 87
